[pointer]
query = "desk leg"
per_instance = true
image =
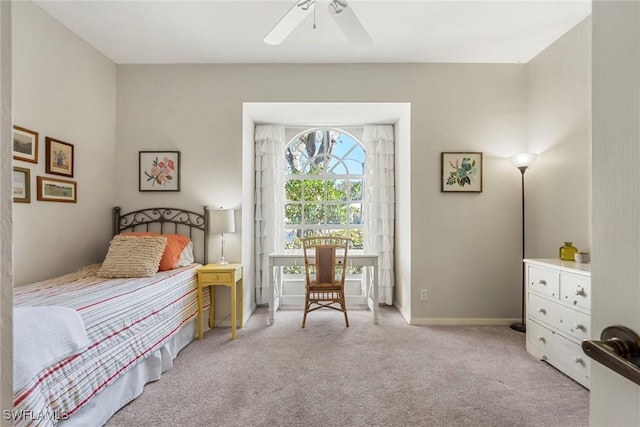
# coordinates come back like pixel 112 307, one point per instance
pixel 271 292
pixel 375 294
pixel 233 310
pixel 212 306
pixel 199 312
pixel 240 303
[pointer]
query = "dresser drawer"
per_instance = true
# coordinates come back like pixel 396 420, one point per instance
pixel 544 281
pixel 558 351
pixel 214 277
pixel 572 322
pixel 576 290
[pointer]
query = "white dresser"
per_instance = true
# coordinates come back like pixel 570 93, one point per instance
pixel 559 314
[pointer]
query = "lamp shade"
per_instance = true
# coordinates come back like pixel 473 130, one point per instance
pixel 523 159
pixel 222 221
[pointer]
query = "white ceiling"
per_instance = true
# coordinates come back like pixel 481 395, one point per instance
pixel 232 31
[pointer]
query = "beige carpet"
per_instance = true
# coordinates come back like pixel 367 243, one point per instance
pixel 391 374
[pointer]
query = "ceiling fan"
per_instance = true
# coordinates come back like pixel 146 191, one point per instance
pixel 340 10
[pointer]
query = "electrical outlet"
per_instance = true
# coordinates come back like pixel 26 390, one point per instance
pixel 423 294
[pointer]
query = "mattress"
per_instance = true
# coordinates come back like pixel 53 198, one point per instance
pixel 126 320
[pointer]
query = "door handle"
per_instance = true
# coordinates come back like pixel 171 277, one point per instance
pixel 618 350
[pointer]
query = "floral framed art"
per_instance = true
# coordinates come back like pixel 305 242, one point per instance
pixel 461 172
pixel 59 157
pixel 159 171
pixel 25 144
pixel 57 190
pixel 21 186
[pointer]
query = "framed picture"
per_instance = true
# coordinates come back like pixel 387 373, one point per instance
pixel 25 144
pixel 461 172
pixel 57 190
pixel 159 171
pixel 59 157
pixel 21 185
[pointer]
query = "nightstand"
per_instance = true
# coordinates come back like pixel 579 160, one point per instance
pixel 229 275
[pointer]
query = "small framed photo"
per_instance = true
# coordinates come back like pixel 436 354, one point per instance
pixel 25 144
pixel 57 190
pixel 59 157
pixel 159 171
pixel 21 185
pixel 461 172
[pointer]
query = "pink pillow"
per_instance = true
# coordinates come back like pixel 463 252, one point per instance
pixel 175 245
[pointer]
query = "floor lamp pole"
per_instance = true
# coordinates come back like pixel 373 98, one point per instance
pixel 521 327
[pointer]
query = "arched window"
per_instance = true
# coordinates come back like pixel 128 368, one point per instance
pixel 324 184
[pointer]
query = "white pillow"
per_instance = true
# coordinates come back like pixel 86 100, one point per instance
pixel 42 337
pixel 186 257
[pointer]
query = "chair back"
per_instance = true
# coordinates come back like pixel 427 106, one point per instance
pixel 325 259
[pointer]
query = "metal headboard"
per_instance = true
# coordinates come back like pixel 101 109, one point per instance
pixel 165 221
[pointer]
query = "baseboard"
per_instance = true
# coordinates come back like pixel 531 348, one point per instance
pixel 432 321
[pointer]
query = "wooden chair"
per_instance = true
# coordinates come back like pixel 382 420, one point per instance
pixel 325 259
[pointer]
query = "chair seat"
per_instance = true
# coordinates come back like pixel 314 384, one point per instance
pixel 319 287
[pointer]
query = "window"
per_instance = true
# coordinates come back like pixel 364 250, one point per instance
pixel 324 187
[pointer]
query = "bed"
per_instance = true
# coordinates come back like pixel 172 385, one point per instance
pixel 99 340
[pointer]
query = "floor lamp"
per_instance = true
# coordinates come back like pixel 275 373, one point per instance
pixel 222 221
pixel 522 161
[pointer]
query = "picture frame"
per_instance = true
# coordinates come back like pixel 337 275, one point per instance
pixel 25 144
pixel 159 171
pixel 57 190
pixel 21 185
pixel 59 157
pixel 461 172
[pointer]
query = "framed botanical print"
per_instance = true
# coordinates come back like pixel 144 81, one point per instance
pixel 461 172
pixel 21 186
pixel 25 144
pixel 159 171
pixel 59 157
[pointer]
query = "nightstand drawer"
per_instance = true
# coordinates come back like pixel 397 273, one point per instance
pixel 215 277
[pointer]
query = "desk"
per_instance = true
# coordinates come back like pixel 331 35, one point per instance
pixel 229 275
pixel 296 258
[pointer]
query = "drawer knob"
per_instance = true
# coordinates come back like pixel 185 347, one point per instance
pixel 580 291
pixel 541 339
pixel 542 282
pixel 542 310
pixel 578 359
pixel 579 326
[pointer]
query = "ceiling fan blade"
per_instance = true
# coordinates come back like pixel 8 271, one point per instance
pixel 349 23
pixel 287 24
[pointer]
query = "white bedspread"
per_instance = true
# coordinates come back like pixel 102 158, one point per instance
pixel 47 335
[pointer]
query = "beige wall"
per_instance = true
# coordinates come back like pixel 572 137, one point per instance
pixel 455 238
pixel 63 88
pixel 559 129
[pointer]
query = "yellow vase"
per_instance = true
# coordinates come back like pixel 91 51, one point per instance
pixel 568 251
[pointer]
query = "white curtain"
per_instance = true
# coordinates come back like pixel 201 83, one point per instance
pixel 269 197
pixel 380 204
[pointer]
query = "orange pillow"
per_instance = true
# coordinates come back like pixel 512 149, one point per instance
pixel 175 245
